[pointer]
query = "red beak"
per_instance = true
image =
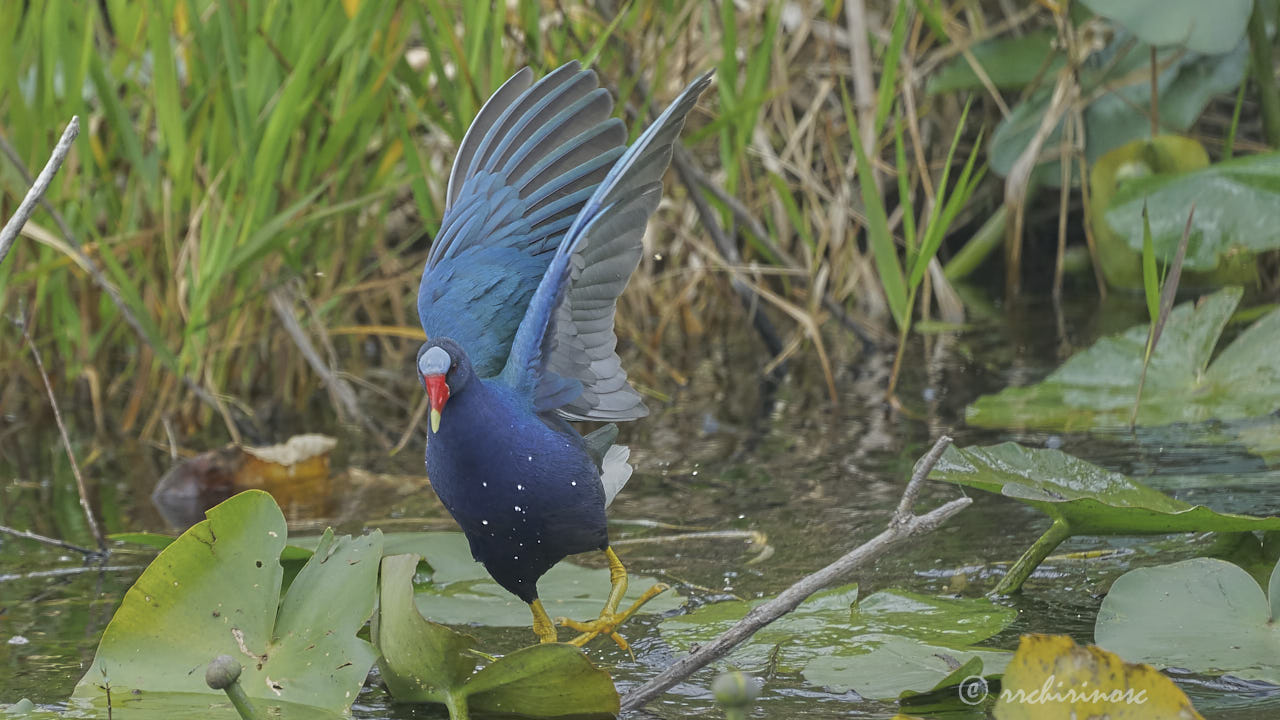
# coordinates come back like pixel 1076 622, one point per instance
pixel 438 394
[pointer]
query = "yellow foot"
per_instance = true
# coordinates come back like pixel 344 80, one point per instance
pixel 608 622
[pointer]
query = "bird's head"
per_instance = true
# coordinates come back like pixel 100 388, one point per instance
pixel 444 370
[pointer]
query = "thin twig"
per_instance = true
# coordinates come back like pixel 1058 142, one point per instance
pixel 64 572
pixel 66 444
pixel 48 540
pixel 918 476
pixel 28 205
pixel 904 524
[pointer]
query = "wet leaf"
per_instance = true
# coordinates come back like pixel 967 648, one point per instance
pixel 1203 27
pixel 423 661
pixel 216 590
pixel 1052 678
pixel 895 665
pixel 1237 210
pixel 1091 499
pixel 1116 170
pixel 1081 498
pixel 460 591
pixel 1204 615
pixel 1094 389
pixel 834 622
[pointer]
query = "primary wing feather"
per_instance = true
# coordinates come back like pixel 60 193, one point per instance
pixel 527 165
pixel 563 353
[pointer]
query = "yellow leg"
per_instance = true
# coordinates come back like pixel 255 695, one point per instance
pixel 610 618
pixel 542 624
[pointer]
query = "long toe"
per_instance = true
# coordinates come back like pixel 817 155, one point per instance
pixel 607 623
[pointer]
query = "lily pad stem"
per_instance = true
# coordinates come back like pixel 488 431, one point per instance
pixel 1060 530
pixel 456 703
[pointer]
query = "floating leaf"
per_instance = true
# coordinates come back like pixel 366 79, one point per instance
pixel 1204 615
pixel 1052 678
pixel 216 590
pixel 835 623
pixel 1196 25
pixel 423 661
pixel 1115 171
pixel 1237 212
pixel 1080 497
pixel 460 591
pixel 1094 389
pixel 896 665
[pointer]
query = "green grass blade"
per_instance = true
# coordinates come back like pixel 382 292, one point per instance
pixel 883 250
pixel 1150 276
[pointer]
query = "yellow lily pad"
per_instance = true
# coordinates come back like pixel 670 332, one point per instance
pixel 1053 678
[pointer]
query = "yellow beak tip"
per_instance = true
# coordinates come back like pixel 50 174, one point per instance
pixel 435 420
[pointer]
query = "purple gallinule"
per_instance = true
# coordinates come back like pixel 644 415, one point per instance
pixel 544 215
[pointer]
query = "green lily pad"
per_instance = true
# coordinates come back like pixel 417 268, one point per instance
pixel 216 590
pixel 897 664
pixel 834 622
pixel 1094 389
pixel 1205 615
pixel 1203 27
pixel 1117 173
pixel 423 661
pixel 460 591
pixel 1118 116
pixel 1236 211
pixel 1080 497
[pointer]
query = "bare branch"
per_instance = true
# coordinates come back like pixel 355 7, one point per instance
pixel 28 205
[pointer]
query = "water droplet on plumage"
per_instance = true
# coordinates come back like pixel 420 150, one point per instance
pixel 518 509
pixel 519 487
pixel 484 522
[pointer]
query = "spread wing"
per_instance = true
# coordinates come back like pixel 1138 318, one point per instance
pixel 563 353
pixel 524 171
